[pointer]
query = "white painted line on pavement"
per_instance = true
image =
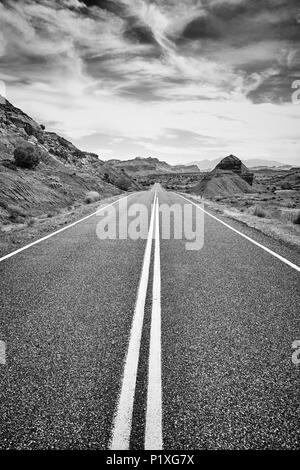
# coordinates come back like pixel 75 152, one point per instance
pixel 62 229
pixel 281 258
pixel 153 433
pixel 123 417
pixel 2 353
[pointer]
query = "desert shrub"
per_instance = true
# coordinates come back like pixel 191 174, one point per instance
pixel 26 156
pixel 4 205
pixel 28 129
pixel 286 185
pixel 42 127
pixel 123 183
pixel 106 177
pixel 296 219
pixel 92 196
pixel 78 153
pixel 16 213
pixel 63 141
pixel 259 212
pixel 55 184
pixel 45 157
pixel 30 222
pixel 9 164
pixel 64 154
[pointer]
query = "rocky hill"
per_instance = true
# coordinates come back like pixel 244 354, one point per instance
pixel 185 169
pixel 234 164
pixel 64 175
pixel 150 166
pixel 228 178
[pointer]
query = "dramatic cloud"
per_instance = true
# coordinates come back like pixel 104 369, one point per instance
pixel 181 80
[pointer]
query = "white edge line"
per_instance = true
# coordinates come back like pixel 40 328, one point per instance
pixel 281 258
pixel 153 432
pixel 123 417
pixel 9 255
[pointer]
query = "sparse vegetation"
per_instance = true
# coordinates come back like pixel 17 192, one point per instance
pixel 31 201
pixel 24 230
pixel 31 222
pixel 92 196
pixel 107 178
pixel 9 164
pixel 26 156
pixel 259 212
pixel 279 223
pixel 296 219
pixel 16 213
pixel 123 183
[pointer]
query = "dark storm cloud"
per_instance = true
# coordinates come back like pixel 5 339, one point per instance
pixel 109 5
pixel 241 23
pixel 139 33
pixel 276 89
pixel 143 47
pixel 257 39
pixel 204 27
pixel 134 30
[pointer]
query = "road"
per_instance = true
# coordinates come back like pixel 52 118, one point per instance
pixel 123 343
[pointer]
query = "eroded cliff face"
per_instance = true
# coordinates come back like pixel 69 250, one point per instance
pixel 229 177
pixel 16 126
pixel 234 164
pixel 64 175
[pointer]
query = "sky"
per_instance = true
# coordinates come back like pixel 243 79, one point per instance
pixel 182 81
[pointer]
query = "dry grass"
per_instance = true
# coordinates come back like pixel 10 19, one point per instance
pixel 278 222
pixel 259 212
pixel 14 235
pixel 30 222
pixel 16 213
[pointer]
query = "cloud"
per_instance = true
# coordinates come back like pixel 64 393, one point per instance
pixel 133 69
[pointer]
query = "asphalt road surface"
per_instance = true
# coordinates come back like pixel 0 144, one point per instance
pixel 123 343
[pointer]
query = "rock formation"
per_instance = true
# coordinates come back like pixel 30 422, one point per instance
pixel 228 178
pixel 140 166
pixel 234 164
pixel 63 176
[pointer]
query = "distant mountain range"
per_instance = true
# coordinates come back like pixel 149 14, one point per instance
pixel 143 166
pixel 150 165
pixel 252 163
